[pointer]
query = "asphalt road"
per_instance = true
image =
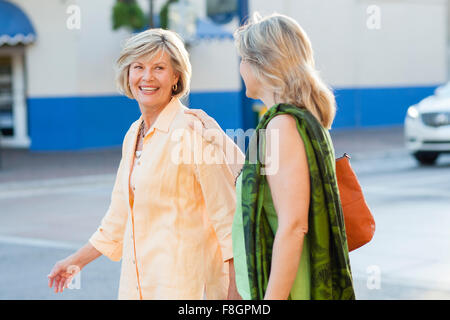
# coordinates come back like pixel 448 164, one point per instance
pixel 408 258
pixel 410 251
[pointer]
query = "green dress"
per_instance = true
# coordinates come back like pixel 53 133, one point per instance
pixel 325 260
pixel 301 287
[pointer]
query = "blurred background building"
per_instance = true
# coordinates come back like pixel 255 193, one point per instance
pixel 57 89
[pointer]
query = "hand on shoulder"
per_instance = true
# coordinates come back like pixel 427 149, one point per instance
pixel 205 125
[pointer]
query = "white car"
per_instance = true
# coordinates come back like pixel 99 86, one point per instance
pixel 427 126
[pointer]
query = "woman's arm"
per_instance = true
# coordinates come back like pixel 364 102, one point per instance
pixel 290 190
pixel 107 239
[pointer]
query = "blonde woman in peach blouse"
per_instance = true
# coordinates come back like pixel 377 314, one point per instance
pixel 169 221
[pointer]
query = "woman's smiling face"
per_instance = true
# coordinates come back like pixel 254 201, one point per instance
pixel 151 80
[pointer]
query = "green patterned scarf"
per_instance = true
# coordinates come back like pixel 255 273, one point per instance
pixel 331 277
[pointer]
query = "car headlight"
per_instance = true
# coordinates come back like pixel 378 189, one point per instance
pixel 413 113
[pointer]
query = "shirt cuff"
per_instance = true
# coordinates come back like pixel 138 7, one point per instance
pixel 109 248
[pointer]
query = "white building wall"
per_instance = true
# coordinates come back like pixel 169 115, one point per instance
pixel 66 62
pixel 80 62
pixel 215 66
pixel 408 49
pixel 49 61
pixel 77 62
pixel 215 62
pixel 98 48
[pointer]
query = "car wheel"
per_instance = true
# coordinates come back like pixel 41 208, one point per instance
pixel 426 158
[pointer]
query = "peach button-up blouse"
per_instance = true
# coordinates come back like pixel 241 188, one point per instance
pixel 173 229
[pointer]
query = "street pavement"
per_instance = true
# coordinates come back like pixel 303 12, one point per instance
pixel 51 202
pixel 410 251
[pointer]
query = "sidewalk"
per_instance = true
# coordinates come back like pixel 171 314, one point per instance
pixel 18 165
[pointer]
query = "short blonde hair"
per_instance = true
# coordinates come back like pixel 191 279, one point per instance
pixel 281 57
pixel 149 43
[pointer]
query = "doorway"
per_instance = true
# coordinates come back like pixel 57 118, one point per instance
pixel 13 104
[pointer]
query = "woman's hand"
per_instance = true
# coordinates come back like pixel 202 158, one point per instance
pixel 209 130
pixel 233 293
pixel 213 133
pixel 64 270
pixel 63 273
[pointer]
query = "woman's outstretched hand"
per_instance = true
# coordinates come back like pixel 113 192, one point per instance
pixel 64 270
pixel 62 274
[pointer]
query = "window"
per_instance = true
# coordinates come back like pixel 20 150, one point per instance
pixel 221 11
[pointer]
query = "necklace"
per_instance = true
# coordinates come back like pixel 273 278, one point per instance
pixel 140 134
pixel 142 129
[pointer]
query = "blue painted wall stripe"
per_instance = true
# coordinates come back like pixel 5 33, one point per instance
pixel 367 107
pixel 225 107
pixel 74 123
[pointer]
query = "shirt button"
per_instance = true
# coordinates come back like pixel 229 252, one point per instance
pixel 139 162
pixel 134 262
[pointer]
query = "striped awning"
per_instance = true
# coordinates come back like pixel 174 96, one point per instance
pixel 15 27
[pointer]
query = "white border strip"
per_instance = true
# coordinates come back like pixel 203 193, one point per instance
pixel 42 243
pixel 18 38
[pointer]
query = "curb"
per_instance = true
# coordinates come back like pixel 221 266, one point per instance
pixel 356 158
pixel 57 182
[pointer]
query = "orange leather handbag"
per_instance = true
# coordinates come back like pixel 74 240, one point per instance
pixel 359 222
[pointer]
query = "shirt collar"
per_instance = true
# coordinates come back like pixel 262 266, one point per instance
pixel 165 118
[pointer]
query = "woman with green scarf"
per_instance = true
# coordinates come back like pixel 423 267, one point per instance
pixel 289 239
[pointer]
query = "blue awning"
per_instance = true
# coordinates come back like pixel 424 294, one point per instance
pixel 15 27
pixel 206 29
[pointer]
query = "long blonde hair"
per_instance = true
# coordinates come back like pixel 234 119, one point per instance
pixel 281 57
